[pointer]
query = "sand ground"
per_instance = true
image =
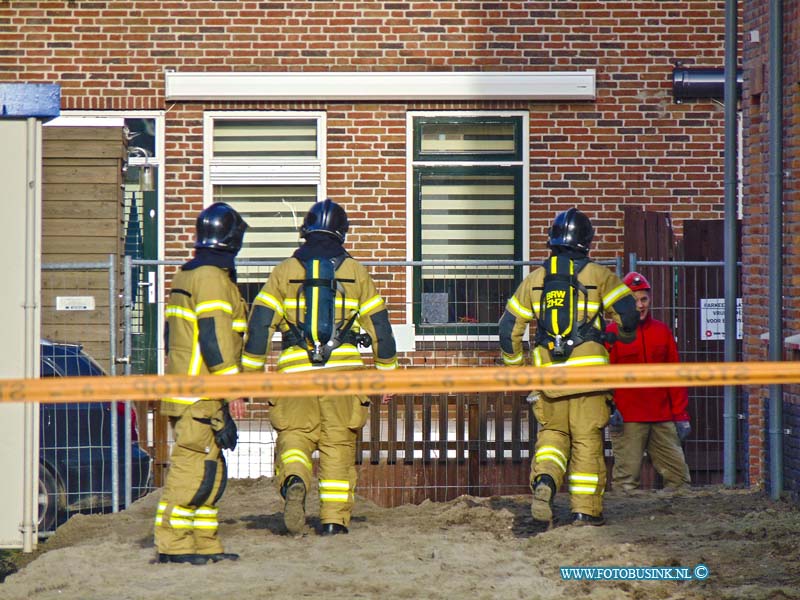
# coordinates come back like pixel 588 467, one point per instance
pixel 467 548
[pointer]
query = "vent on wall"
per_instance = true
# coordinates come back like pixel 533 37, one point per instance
pixel 695 82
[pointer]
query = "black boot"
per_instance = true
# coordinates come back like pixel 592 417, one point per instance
pixel 222 556
pixel 332 529
pixel 294 507
pixel 584 519
pixel 192 559
pixel 544 490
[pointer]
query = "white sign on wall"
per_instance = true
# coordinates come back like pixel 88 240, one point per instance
pixel 712 318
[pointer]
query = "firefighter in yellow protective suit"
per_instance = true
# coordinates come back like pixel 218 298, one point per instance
pixel 325 305
pixel 206 318
pixel 567 297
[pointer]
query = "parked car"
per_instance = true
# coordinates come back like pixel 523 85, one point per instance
pixel 75 463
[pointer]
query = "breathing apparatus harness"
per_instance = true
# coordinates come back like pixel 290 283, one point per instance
pixel 558 328
pixel 318 331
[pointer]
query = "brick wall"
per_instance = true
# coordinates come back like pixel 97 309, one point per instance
pixel 634 145
pixel 755 272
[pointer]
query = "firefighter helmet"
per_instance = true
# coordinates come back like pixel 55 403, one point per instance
pixel 571 229
pixel 328 217
pixel 220 227
pixel 636 281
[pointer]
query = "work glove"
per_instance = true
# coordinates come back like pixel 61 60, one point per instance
pixel 224 428
pixel 533 397
pixel 615 422
pixel 610 338
pixel 684 429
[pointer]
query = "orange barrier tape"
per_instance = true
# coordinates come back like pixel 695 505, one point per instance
pixel 401 381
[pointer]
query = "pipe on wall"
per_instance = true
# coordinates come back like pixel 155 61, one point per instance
pixel 732 89
pixel 701 82
pixel 775 241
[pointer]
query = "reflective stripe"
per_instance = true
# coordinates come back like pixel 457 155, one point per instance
pixel 292 303
pixel 328 365
pixel 181 400
pixel 212 305
pixel 334 484
pixel 294 455
pixel 205 518
pixel 271 301
pixel 334 490
pixel 573 361
pixel 239 325
pixel 579 483
pixel 585 477
pixel 253 362
pixel 516 308
pixel 512 359
pixel 618 292
pixel 552 453
pixel 181 517
pixel 391 366
pixel 232 370
pixel 180 312
pixel 370 305
pixel 334 496
pixel 314 304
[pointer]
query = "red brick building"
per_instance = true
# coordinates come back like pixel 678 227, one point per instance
pixel 448 130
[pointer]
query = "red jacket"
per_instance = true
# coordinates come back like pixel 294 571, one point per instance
pixel 654 343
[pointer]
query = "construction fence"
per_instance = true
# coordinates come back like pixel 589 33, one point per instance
pixel 423 446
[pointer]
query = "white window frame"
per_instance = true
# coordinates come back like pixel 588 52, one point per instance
pixel 410 164
pixel 264 171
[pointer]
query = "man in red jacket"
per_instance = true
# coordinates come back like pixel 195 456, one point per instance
pixel 652 419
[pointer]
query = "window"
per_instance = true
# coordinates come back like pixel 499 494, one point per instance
pixel 469 193
pixel 269 166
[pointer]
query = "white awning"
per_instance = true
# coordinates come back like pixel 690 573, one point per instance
pixel 343 86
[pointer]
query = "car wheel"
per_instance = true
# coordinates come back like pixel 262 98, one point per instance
pixel 49 492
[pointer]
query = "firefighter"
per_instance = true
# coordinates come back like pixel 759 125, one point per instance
pixel 567 298
pixel 325 305
pixel 206 318
pixel 652 419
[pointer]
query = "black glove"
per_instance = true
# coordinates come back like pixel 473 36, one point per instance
pixel 610 338
pixel 224 427
pixel 684 430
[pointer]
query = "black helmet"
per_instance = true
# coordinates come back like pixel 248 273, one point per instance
pixel 219 226
pixel 328 217
pixel 572 229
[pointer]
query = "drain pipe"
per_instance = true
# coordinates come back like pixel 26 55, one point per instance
pixel 775 241
pixel 730 412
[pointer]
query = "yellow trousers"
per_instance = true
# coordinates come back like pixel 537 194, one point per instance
pixel 570 445
pixel 186 518
pixel 330 425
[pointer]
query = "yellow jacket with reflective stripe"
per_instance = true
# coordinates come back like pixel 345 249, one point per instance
pixel 604 289
pixel 280 293
pixel 204 292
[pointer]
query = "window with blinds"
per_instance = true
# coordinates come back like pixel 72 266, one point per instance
pixel 467 221
pixel 270 168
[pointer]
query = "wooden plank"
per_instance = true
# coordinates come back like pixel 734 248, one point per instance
pixel 409 430
pixel 516 429
pixel 75 317
pixel 80 172
pixel 84 149
pixel 443 427
pixel 99 227
pixel 375 431
pixel 473 444
pixel 99 247
pixel 391 433
pixel 426 428
pixel 461 418
pixel 97 133
pixel 499 428
pixel 81 201
pixel 90 280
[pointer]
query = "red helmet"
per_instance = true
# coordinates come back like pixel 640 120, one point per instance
pixel 636 281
